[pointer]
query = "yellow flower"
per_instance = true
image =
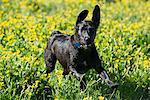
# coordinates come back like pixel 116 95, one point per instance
pixel 130 38
pixel 118 50
pixel 116 47
pixel 25 58
pixel 32 86
pixel 116 65
pixel 5 1
pixel 36 83
pixel 100 98
pixel 129 58
pixel 30 93
pixel 146 63
pixel 85 98
pixel 1 85
pixel 56 98
pixel 117 60
pixel 90 97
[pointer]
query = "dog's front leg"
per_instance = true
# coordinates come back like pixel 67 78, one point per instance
pixel 105 77
pixel 97 65
pixel 103 74
pixel 79 77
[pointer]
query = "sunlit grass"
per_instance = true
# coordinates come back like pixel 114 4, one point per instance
pixel 122 42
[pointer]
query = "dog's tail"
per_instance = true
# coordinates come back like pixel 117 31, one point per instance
pixel 55 32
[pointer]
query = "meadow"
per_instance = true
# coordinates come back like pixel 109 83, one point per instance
pixel 122 41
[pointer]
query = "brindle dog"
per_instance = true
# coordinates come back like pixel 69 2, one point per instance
pixel 77 53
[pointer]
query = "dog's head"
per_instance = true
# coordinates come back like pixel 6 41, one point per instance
pixel 86 30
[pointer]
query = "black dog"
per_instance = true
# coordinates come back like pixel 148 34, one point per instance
pixel 77 53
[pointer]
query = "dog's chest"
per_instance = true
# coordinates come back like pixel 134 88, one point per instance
pixel 78 59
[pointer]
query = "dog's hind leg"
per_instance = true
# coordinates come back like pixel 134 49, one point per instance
pixel 50 60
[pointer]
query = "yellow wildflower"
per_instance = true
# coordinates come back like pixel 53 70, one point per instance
pixel 147 63
pixel 100 98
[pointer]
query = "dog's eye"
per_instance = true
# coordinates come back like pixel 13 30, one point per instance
pixel 84 28
pixel 91 29
pixel 77 28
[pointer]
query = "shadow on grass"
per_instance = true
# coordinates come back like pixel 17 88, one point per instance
pixel 127 90
pixel 131 91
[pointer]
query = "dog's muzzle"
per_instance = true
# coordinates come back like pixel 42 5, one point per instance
pixel 85 46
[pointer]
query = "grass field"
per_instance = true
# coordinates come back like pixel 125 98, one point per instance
pixel 122 41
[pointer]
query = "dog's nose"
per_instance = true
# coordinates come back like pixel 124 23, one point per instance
pixel 86 38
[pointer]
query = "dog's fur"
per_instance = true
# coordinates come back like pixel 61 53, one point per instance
pixel 77 53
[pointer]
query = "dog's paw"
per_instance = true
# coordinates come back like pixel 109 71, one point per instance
pixel 114 85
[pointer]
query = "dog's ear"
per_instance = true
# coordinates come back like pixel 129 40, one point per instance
pixel 96 16
pixel 82 16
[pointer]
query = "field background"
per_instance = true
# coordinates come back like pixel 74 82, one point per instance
pixel 122 41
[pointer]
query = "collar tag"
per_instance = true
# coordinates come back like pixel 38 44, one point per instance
pixel 77 45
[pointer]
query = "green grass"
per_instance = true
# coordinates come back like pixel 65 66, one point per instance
pixel 122 41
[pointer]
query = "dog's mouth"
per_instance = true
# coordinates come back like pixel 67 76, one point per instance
pixel 85 46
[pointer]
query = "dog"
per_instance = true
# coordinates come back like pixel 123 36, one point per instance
pixel 77 53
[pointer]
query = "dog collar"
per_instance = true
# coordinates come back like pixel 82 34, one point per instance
pixel 77 45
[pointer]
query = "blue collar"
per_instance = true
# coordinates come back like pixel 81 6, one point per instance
pixel 77 45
